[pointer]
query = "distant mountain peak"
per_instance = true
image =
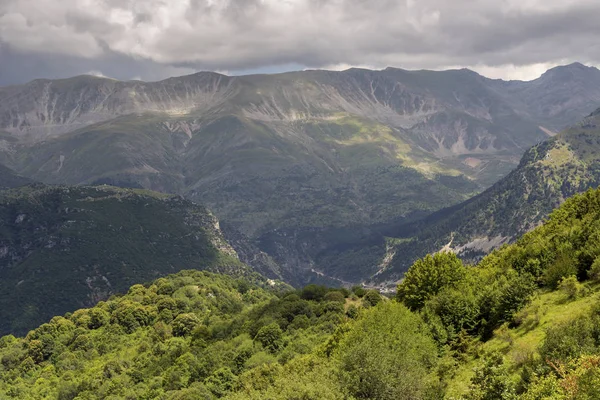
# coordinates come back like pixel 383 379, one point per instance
pixel 575 67
pixel 576 64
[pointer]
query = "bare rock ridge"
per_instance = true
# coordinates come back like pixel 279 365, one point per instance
pixel 45 108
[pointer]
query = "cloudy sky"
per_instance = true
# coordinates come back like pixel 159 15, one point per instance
pixel 154 39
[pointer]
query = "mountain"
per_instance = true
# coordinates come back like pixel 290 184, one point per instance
pixel 285 159
pixel 561 94
pixel 62 248
pixel 548 173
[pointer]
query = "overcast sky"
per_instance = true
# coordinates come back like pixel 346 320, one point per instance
pixel 154 39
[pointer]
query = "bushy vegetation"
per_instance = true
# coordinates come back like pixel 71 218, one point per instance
pixel 466 306
pixel 199 335
pixel 522 324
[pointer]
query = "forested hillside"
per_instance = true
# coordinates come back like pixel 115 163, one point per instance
pixel 548 173
pixel 522 324
pixel 63 248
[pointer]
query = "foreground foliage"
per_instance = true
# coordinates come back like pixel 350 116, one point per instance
pixel 472 309
pixel 198 335
pixel 522 324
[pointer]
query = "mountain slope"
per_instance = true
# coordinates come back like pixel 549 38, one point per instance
pixel 550 172
pixel 67 247
pixel 10 179
pixel 278 157
pixel 560 94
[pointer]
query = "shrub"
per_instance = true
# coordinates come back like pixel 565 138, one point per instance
pixel 563 266
pixel 358 291
pixel 300 322
pixel 594 272
pixel 569 340
pixel 131 315
pixel 313 292
pixel 570 287
pixel 371 298
pixel 428 276
pixel 352 311
pixel 387 354
pixel 221 381
pixel 492 380
pixel 335 296
pixel 98 318
pixel 457 308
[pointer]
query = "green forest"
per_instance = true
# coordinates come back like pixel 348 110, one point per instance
pixel 524 323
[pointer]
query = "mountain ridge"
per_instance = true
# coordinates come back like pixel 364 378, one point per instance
pixel 294 152
pixel 548 173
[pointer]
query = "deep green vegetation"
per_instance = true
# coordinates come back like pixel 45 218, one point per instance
pixel 198 335
pixel 63 248
pixel 467 308
pixel 522 324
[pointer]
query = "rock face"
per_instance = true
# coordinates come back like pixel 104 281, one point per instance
pixel 45 108
pixel 287 158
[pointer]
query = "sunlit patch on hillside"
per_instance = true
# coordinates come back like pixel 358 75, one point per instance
pixel 558 156
pixel 358 132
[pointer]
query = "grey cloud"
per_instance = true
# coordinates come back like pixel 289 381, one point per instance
pixel 16 67
pixel 159 36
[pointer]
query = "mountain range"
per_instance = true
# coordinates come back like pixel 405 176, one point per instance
pixel 300 166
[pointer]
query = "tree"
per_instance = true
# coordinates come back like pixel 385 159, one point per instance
pixel 131 315
pixel 358 290
pixel 352 311
pixel 270 337
pixel 221 381
pixel 335 296
pixel 492 381
pixel 387 354
pixel 457 309
pixel 428 276
pixel 184 324
pixel 313 292
pixel 371 298
pixel 303 378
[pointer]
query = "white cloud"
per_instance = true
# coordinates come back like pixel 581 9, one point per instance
pixel 507 38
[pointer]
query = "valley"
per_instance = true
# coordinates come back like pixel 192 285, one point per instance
pixel 521 324
pixel 299 166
